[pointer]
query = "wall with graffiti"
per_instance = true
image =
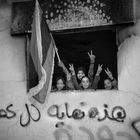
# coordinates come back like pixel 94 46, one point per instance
pixel 87 115
pixel 103 115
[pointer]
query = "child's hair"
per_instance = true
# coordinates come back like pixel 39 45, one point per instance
pixel 110 82
pixel 81 69
pixel 60 77
pixel 86 77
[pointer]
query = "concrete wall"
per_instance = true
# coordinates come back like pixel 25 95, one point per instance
pixel 13 89
pixel 12 57
pixel 12 54
pixel 13 66
pixel 128 55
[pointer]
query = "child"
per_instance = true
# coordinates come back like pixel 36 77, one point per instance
pixel 107 84
pixel 69 83
pixel 86 83
pixel 81 72
pixel 59 84
pixel 110 82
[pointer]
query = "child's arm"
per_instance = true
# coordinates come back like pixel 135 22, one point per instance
pixel 114 81
pixel 68 75
pixel 97 77
pixel 91 67
pixel 70 85
pixel 74 79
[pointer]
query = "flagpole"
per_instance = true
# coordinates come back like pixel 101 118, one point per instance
pixel 56 50
pixel 27 59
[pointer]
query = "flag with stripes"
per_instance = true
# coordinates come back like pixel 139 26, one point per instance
pixel 42 52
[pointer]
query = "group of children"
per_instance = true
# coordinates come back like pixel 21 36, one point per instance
pixel 80 81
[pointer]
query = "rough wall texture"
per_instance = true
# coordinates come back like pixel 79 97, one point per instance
pixel 12 57
pixel 13 89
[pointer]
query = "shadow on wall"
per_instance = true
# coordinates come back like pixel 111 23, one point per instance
pixel 128 58
pixel 137 9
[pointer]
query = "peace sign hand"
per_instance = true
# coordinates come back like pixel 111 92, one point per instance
pixel 71 68
pixel 99 70
pixel 109 74
pixel 91 56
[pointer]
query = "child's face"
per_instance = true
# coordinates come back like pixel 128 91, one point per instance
pixel 85 82
pixel 60 84
pixel 107 84
pixel 80 74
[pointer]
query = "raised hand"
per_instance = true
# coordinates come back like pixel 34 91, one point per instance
pixel 61 64
pixel 99 70
pixel 71 68
pixel 91 56
pixel 108 72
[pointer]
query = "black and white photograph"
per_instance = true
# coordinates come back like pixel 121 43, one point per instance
pixel 69 70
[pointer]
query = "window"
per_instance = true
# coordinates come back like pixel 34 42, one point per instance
pixel 73 49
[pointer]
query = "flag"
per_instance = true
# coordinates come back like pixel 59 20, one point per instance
pixel 42 49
